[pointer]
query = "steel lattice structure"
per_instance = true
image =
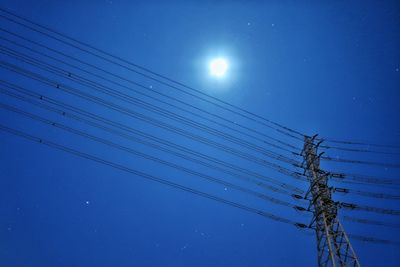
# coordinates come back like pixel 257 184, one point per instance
pixel 333 245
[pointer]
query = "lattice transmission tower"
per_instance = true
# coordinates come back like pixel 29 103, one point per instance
pixel 333 245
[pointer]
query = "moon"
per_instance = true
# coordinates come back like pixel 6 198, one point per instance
pixel 218 67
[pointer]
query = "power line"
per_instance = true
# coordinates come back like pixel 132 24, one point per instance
pixel 374 240
pixel 148 106
pixel 297 135
pixel 358 150
pixel 148 89
pixel 144 175
pixel 351 206
pixel 383 186
pixel 366 193
pixel 366 179
pixel 348 142
pixel 371 222
pixel 313 160
pixel 281 190
pixel 144 155
pixel 371 163
pixel 202 127
pixel 216 167
pixel 147 119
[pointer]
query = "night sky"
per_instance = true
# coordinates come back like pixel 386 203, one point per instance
pixel 317 67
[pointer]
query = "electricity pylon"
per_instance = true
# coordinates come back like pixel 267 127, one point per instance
pixel 333 245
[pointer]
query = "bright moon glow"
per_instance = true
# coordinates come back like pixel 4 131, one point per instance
pixel 218 67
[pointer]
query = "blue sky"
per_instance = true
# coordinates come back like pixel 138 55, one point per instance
pixel 329 68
